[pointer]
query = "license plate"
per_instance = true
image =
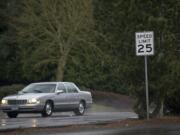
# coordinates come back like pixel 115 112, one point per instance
pixel 14 108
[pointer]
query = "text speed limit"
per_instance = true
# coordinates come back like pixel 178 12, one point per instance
pixel 144 43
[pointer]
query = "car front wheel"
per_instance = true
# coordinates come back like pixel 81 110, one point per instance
pixel 48 109
pixel 80 110
pixel 12 114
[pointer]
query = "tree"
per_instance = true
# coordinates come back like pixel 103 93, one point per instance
pixel 118 20
pixel 9 58
pixel 49 29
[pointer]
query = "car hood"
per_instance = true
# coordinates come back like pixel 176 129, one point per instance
pixel 28 96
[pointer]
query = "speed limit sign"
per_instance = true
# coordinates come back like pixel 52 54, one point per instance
pixel 145 47
pixel 144 43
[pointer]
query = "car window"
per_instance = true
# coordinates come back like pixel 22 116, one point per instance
pixel 71 88
pixel 61 87
pixel 39 88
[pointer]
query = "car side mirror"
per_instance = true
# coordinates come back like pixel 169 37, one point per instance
pixel 19 92
pixel 59 91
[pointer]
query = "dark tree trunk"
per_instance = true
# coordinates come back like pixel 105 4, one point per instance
pixel 61 67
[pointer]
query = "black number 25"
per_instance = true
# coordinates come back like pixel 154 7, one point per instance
pixel 141 48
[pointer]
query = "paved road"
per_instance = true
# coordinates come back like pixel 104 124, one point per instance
pixel 137 130
pixel 62 119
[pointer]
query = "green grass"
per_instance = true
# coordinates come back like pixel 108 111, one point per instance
pixel 101 108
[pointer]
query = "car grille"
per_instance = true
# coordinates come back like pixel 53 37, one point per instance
pixel 17 102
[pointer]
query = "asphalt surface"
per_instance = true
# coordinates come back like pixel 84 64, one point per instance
pixel 63 119
pixel 137 130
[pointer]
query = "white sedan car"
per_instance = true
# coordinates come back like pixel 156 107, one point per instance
pixel 46 98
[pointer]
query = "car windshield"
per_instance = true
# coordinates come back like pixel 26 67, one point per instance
pixel 39 88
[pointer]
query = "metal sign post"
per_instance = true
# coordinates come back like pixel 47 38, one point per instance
pixel 147 91
pixel 145 47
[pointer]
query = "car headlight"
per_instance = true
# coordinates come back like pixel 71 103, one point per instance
pixel 33 101
pixel 4 102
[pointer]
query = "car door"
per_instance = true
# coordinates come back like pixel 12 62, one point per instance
pixel 72 95
pixel 60 100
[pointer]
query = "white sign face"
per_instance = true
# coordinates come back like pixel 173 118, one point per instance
pixel 144 43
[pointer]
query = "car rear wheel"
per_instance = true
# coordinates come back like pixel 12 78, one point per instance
pixel 48 110
pixel 12 114
pixel 80 110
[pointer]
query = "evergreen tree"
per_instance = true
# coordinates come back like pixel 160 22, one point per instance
pixel 118 20
pixel 10 69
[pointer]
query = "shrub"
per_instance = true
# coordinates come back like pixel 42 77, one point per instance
pixel 172 103
pixel 10 89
